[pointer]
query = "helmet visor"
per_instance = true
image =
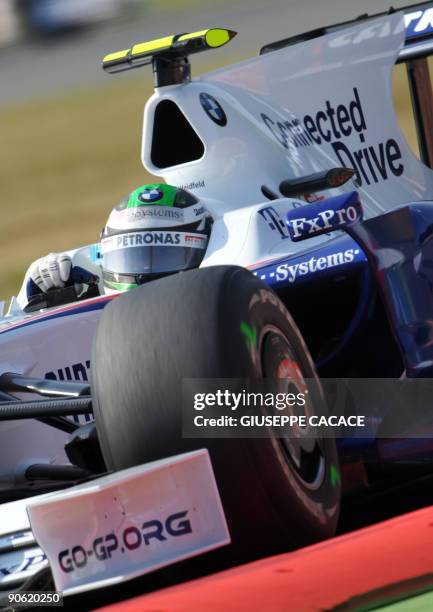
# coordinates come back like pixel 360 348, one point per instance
pixel 154 252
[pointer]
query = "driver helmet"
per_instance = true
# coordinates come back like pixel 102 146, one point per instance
pixel 156 230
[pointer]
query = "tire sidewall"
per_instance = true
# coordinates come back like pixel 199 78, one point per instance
pixel 267 507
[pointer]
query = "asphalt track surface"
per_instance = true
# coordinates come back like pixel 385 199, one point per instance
pixel 34 69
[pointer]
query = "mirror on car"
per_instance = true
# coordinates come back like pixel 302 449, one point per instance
pixel 319 181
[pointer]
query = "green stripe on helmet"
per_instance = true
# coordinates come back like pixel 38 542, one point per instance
pixel 168 195
pixel 120 286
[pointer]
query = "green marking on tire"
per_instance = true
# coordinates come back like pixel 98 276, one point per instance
pixel 335 476
pixel 250 334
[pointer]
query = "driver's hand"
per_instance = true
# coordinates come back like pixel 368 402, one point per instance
pixel 51 272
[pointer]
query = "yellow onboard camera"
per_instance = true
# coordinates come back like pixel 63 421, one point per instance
pixel 168 55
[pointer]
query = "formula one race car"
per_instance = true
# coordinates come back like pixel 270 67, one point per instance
pixel 318 265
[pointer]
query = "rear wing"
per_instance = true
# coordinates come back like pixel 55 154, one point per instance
pixel 419 31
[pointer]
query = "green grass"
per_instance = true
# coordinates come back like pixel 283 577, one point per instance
pixel 65 162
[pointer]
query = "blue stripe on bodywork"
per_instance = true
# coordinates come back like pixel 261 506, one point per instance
pixel 340 255
pixel 79 309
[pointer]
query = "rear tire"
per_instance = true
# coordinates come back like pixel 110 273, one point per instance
pixel 189 325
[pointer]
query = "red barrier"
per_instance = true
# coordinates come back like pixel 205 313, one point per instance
pixel 315 578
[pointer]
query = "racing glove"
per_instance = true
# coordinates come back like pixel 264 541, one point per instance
pixel 51 272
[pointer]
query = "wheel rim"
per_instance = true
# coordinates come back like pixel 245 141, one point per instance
pixel 304 451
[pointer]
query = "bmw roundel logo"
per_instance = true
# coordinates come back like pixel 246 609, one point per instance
pixel 150 195
pixel 213 109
